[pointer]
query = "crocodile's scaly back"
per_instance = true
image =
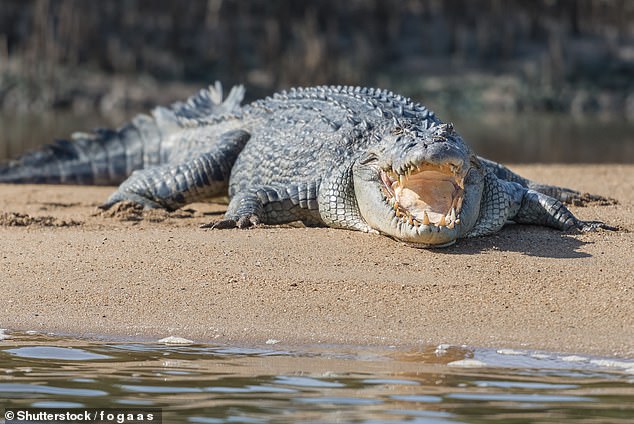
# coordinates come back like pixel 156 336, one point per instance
pixel 304 133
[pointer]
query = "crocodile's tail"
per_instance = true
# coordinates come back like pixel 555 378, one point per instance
pixel 107 157
pixel 100 158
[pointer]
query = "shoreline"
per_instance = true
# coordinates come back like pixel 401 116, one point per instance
pixel 12 338
pixel 70 271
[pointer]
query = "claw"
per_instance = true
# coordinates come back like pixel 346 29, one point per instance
pixel 594 225
pixel 106 205
pixel 119 197
pixel 242 222
pixel 115 198
pixel 248 221
pixel 220 225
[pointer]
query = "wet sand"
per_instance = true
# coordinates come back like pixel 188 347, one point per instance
pixel 66 269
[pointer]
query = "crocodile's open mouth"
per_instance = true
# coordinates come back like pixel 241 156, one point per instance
pixel 427 194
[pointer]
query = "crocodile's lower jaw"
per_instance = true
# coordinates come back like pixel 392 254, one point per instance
pixel 421 235
pixel 429 246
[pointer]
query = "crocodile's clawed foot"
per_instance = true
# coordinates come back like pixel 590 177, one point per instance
pixel 585 226
pixel 221 225
pixel 118 207
pixel 242 222
pixel 108 204
pixel 119 197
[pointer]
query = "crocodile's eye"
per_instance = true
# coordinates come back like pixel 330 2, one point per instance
pixel 367 158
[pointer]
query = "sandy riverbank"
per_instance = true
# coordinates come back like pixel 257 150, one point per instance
pixel 68 270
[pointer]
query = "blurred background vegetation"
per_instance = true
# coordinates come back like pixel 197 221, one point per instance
pixel 478 60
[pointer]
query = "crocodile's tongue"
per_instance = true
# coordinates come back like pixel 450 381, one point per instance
pixel 434 198
pixel 426 196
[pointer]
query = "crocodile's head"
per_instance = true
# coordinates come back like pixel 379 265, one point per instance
pixel 421 186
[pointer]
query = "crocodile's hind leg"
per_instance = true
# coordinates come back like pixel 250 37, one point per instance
pixel 562 194
pixel 172 186
pixel 504 201
pixel 539 209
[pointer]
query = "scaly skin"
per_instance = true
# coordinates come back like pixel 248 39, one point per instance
pixel 346 157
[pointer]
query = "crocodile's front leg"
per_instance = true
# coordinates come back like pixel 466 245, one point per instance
pixel 330 202
pixel 172 186
pixel 272 204
pixel 504 201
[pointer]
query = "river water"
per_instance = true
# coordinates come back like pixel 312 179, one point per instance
pixel 319 384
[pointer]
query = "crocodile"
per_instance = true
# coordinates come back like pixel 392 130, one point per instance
pixel 346 157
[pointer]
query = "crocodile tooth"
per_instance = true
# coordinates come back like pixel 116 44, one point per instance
pixel 459 203
pixel 452 215
pixel 454 200
pixel 442 221
pixel 425 218
pixel 451 225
